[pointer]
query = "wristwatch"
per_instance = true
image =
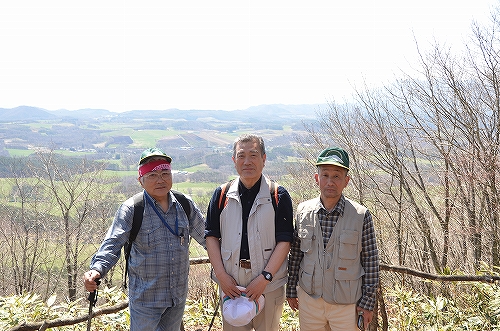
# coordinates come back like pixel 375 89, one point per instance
pixel 267 275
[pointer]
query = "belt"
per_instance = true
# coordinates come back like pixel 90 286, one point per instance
pixel 245 264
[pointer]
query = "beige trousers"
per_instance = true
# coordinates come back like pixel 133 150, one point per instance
pixel 269 318
pixel 319 315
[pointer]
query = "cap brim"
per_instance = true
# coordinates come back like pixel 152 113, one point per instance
pixel 168 158
pixel 332 163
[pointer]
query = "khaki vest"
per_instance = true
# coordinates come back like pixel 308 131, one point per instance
pixel 335 272
pixel 261 234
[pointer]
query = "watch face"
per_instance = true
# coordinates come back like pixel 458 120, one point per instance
pixel 268 276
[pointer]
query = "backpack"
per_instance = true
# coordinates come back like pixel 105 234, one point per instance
pixel 137 222
pixel 139 211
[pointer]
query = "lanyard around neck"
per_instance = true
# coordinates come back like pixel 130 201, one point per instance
pixel 151 202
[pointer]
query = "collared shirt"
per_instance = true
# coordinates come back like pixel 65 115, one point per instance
pixel 159 259
pixel 369 254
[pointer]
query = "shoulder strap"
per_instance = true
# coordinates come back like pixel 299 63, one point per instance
pixel 138 214
pixel 223 197
pixel 139 211
pixel 273 189
pixel 183 201
pixel 137 222
pixel 136 225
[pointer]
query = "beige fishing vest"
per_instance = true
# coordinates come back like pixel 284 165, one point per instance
pixel 335 272
pixel 261 234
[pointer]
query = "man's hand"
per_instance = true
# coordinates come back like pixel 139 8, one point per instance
pixel 367 316
pixel 256 287
pixel 226 282
pixel 89 280
pixel 293 303
pixel 228 285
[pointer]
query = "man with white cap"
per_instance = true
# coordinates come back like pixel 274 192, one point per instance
pixel 159 257
pixel 333 265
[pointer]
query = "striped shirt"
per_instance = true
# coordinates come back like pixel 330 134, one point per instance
pixel 369 254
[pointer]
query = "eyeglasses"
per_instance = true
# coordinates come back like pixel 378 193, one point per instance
pixel 155 176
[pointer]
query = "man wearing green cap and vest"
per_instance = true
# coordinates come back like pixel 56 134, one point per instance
pixel 333 265
pixel 159 257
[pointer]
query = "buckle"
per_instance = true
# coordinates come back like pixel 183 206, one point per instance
pixel 245 264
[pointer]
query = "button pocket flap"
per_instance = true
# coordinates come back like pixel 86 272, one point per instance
pixel 267 252
pixel 349 237
pixel 225 254
pixel 305 245
pixel 305 233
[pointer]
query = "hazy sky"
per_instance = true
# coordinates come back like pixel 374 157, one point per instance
pixel 203 54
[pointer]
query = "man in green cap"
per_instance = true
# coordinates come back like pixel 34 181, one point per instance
pixel 158 263
pixel 333 269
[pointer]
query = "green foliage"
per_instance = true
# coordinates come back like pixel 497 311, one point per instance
pixel 471 307
pixel 289 319
pixel 200 313
pixel 29 308
pixel 468 307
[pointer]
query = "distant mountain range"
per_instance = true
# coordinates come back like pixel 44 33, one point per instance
pixel 269 113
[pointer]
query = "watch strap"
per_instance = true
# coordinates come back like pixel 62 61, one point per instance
pixel 267 275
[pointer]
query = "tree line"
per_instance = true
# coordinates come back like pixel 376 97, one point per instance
pixel 425 151
pixel 425 160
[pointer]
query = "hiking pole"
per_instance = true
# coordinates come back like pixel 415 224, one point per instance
pixel 92 301
pixel 215 312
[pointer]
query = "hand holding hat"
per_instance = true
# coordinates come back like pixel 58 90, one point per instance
pixel 240 311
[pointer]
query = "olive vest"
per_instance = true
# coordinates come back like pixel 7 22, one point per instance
pixel 335 272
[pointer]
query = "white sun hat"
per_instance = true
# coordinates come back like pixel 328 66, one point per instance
pixel 240 311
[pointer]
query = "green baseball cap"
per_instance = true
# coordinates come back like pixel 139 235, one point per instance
pixel 335 156
pixel 150 152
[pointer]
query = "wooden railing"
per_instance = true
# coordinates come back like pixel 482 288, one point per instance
pixel 41 326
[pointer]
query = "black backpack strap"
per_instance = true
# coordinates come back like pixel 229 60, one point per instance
pixel 138 214
pixel 137 222
pixel 136 226
pixel 183 201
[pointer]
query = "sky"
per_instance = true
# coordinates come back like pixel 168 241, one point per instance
pixel 220 55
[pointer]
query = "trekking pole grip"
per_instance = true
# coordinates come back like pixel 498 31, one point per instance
pixel 93 295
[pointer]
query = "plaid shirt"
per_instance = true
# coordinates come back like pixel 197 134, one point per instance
pixel 159 259
pixel 369 255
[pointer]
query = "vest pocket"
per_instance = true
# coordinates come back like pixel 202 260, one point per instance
pixel 347 291
pixel 306 281
pixel 348 249
pixel 305 244
pixel 225 254
pixel 347 284
pixel 307 264
pixel 307 267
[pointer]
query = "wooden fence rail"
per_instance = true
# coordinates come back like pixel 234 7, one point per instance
pixel 42 326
